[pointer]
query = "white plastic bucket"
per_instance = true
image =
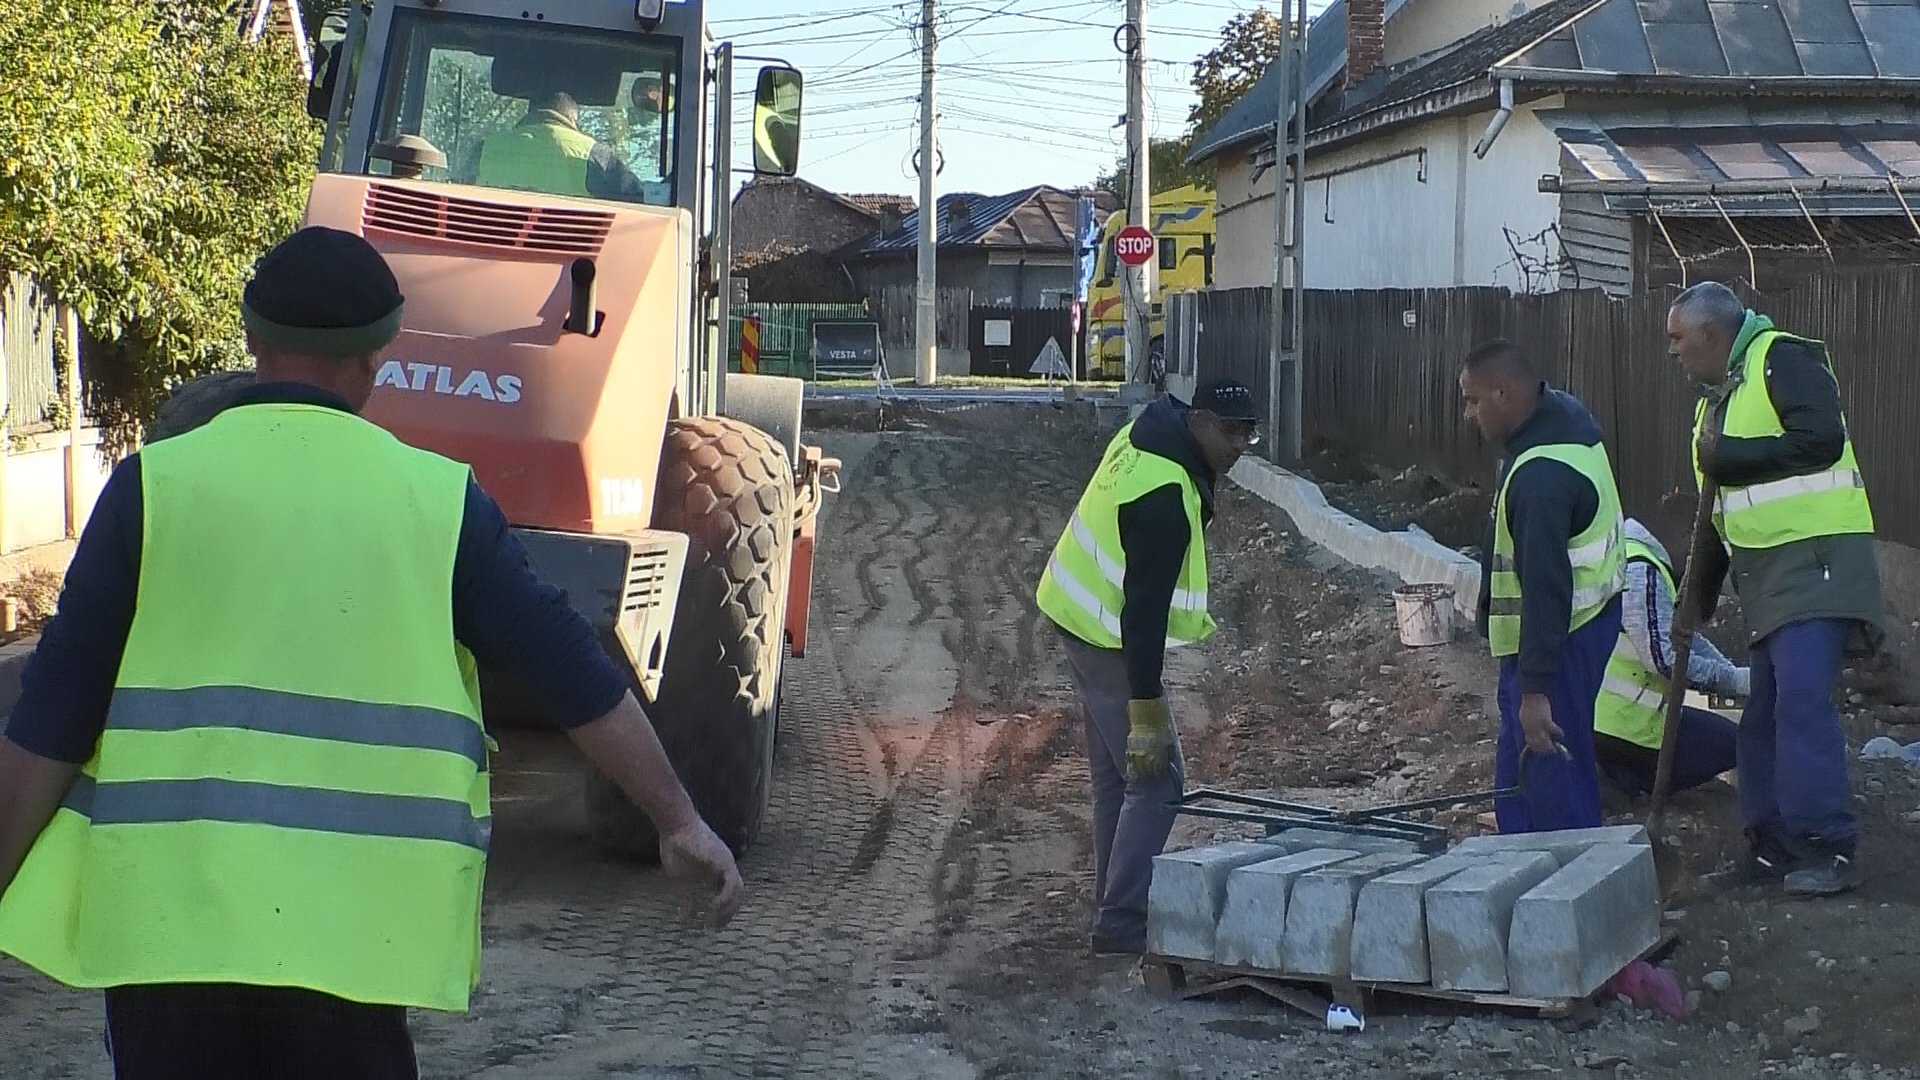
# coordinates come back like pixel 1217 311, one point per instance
pixel 1425 613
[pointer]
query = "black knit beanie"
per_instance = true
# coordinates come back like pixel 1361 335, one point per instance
pixel 323 292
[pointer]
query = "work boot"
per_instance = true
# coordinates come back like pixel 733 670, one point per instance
pixel 1766 863
pixel 1829 876
pixel 1750 871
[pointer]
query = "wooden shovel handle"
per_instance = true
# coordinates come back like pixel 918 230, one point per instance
pixel 1686 618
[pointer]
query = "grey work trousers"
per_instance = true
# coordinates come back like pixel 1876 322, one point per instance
pixel 1131 821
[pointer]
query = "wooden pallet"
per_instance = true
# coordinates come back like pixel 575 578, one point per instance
pixel 1180 978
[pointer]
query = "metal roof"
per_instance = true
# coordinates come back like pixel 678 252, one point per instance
pixel 1035 217
pixel 1251 117
pixel 1808 45
pixel 1703 159
pixel 1733 38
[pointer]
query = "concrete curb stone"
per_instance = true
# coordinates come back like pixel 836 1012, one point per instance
pixel 1253 923
pixel 1319 931
pixel 1468 918
pixel 1189 889
pixel 1578 928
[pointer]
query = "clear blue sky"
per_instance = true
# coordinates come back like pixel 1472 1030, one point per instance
pixel 1029 90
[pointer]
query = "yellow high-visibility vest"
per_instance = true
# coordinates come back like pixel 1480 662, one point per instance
pixel 1628 707
pixel 1825 502
pixel 543 155
pixel 1083 587
pixel 1598 570
pixel 291 789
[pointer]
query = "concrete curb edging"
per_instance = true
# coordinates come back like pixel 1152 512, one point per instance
pixel 1410 555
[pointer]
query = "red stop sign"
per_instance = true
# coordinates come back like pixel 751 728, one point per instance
pixel 1134 245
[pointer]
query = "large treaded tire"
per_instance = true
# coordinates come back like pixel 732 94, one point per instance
pixel 729 487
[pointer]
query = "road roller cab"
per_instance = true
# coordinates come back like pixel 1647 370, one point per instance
pixel 550 181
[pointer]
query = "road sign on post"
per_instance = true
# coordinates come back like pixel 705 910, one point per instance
pixel 1134 245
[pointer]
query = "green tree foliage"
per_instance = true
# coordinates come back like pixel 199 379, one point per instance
pixel 1248 44
pixel 147 157
pixel 1167 169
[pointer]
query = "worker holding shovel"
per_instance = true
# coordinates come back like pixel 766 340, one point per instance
pixel 1127 579
pixel 1551 576
pixel 1797 534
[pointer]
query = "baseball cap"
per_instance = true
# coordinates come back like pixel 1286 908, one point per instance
pixel 1227 399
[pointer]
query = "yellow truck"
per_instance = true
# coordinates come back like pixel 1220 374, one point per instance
pixel 1182 222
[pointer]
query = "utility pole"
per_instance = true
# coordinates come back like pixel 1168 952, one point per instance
pixel 1139 279
pixel 1289 221
pixel 926 366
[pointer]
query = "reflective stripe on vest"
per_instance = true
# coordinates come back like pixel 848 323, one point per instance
pixel 1594 554
pixel 1828 502
pixel 291 786
pixel 1083 587
pixel 1629 705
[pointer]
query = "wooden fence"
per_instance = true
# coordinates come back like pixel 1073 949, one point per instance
pixel 1028 332
pixel 1381 369
pixel 894 306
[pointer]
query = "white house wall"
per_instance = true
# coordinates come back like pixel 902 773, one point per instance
pixel 1392 229
pixel 1424 26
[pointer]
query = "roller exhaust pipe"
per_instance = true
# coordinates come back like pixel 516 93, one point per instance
pixel 582 312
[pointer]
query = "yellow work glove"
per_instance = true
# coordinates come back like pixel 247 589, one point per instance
pixel 1149 738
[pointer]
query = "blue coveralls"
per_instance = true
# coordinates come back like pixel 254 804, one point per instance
pixel 1561 793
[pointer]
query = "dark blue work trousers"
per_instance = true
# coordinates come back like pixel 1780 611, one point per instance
pixel 1560 793
pixel 1702 750
pixel 1792 755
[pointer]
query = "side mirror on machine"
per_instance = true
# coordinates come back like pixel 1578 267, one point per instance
pixel 776 122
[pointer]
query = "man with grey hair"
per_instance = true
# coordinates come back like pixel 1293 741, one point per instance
pixel 1797 534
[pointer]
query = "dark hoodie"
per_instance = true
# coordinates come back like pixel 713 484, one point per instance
pixel 1548 503
pixel 1154 535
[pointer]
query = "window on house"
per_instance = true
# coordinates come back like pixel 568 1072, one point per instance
pixel 1169 253
pixel 1055 298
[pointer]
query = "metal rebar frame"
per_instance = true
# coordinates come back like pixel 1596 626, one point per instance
pixel 1895 188
pixel 1811 224
pixel 1671 246
pixel 1753 268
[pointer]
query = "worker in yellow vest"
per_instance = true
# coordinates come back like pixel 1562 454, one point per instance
pixel 1127 580
pixel 1628 719
pixel 245 786
pixel 1798 539
pixel 1551 575
pixel 547 152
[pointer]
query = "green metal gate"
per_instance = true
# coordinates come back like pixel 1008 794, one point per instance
pixel 785 334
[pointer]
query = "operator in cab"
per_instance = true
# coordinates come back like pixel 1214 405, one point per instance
pixel 244 790
pixel 547 152
pixel 1127 580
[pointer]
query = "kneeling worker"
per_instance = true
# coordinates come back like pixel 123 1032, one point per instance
pixel 1551 578
pixel 1127 579
pixel 1628 720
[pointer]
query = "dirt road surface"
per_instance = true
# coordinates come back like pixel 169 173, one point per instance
pixel 918 903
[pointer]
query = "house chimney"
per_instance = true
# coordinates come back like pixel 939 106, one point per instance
pixel 959 215
pixel 1366 39
pixel 890 221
